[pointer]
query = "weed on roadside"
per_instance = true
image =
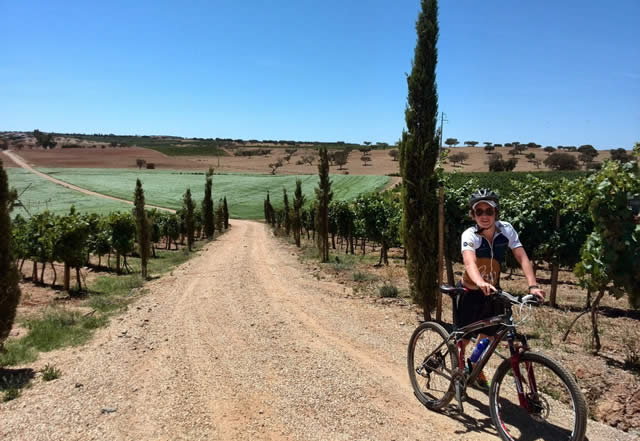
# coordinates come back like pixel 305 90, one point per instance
pixel 361 276
pixel 388 290
pixel 50 372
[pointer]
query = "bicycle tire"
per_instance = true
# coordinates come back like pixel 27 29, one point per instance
pixel 432 385
pixel 557 392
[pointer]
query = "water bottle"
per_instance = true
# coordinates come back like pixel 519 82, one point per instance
pixel 479 349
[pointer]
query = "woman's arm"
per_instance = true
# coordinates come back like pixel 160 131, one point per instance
pixel 521 256
pixel 471 267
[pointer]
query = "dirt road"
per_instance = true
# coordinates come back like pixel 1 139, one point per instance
pixel 242 343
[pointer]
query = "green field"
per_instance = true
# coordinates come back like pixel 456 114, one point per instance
pixel 245 193
pixel 44 195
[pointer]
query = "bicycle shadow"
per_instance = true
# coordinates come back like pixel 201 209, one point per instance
pixel 484 424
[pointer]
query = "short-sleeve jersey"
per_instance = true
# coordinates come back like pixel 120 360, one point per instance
pixel 489 257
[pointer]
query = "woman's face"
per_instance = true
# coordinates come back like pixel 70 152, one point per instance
pixel 484 215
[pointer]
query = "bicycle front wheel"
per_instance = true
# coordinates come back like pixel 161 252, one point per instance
pixel 431 359
pixel 555 407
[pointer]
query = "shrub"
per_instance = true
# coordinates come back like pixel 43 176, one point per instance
pixel 151 165
pixel 388 290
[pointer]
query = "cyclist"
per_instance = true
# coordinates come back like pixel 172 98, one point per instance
pixel 483 250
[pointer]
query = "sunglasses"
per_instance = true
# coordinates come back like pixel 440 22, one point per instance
pixel 487 211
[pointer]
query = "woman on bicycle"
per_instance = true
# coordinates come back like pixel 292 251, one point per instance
pixel 483 251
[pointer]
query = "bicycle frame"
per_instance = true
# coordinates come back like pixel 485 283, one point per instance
pixel 507 329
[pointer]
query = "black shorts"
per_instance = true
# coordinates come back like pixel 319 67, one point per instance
pixel 475 306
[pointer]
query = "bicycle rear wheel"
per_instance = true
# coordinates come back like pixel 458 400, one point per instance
pixel 431 360
pixel 557 409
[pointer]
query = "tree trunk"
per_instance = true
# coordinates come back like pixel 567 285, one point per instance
pixel 117 262
pixel 78 278
pixel 44 266
pixel 364 246
pixel 34 274
pixel 404 255
pixel 333 241
pixel 55 275
pixel 588 299
pixel 21 265
pixel 351 241
pixel 449 265
pixel 554 270
pixel 554 284
pixel 67 276
pixel 595 336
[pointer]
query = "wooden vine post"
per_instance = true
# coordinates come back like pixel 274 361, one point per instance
pixel 440 250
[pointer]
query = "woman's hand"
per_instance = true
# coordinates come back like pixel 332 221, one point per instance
pixel 538 292
pixel 487 288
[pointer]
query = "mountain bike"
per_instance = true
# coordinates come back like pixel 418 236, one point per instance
pixel 531 396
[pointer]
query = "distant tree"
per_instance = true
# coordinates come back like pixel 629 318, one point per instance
pixel 561 161
pixel 451 142
pixel 497 145
pixel 382 145
pixel 489 148
pixel 140 163
pixel 225 210
pixel 308 159
pixel 189 207
pixel 487 144
pixel 4 144
pixel 296 219
pixel 458 157
pixel 291 151
pixel 143 229
pixel 365 150
pixel 530 156
pixel 341 157
pixel 587 153
pixel 220 216
pixel 497 164
pixel 636 151
pixel 323 197
pixel 471 143
pixel 268 208
pixel 208 220
pixel 367 143
pixel 508 144
pixel 395 154
pixel 9 277
pixel 44 140
pixel 620 155
pixel 514 152
pixel 275 166
pixel 365 160
pixel 549 149
pixel 286 214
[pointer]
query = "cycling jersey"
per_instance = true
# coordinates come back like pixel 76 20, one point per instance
pixel 489 256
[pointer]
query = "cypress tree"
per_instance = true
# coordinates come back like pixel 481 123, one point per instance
pixel 189 224
pixel 9 278
pixel 418 155
pixel 143 228
pixel 287 217
pixel 226 213
pixel 323 196
pixel 220 216
pixel 296 221
pixel 207 206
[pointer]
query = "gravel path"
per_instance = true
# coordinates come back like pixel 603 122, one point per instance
pixel 242 343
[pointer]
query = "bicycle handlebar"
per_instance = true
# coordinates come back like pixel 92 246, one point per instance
pixel 529 299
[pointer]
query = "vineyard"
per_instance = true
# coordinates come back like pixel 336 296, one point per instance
pixel 575 220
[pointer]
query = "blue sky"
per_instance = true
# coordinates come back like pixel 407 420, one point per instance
pixel 556 73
